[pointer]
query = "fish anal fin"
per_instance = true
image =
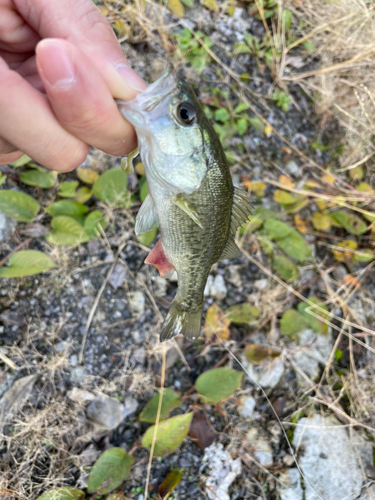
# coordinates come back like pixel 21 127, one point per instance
pixel 158 259
pixel 241 209
pixel 231 250
pixel 186 206
pixel 147 218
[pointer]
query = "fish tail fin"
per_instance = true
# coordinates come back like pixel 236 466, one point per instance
pixel 179 320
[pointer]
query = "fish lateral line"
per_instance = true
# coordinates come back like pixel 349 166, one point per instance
pixel 158 259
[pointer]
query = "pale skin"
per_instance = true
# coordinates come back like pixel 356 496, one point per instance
pixel 60 69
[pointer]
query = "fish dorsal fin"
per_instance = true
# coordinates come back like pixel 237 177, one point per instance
pixel 231 250
pixel 185 205
pixel 147 218
pixel 241 209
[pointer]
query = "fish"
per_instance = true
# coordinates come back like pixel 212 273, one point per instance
pixel 191 194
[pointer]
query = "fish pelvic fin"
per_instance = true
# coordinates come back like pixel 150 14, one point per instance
pixel 241 209
pixel 147 218
pixel 179 320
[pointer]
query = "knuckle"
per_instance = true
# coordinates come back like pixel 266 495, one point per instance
pixel 68 158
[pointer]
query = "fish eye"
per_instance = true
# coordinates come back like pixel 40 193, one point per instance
pixel 186 113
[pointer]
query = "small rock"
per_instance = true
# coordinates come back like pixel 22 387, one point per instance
pixel 136 303
pixel 129 407
pixel 262 448
pixel 290 487
pixel 78 375
pixel 247 406
pixel 160 286
pixel 314 349
pixel 89 455
pixel 139 355
pixel 7 226
pixel 267 373
pixel 174 277
pixel 261 284
pixel 235 276
pixel 80 395
pixel 61 346
pixel 118 276
pixel 105 411
pixel 73 360
pixel 288 460
pixel 292 168
pixel 221 469
pixel 216 287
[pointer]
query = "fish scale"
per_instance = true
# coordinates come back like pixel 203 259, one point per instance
pixel 191 194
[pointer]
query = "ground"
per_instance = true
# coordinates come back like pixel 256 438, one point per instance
pixel 319 375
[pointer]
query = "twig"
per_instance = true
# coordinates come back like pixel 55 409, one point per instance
pixel 8 361
pixel 96 302
pixel 156 421
pixel 21 245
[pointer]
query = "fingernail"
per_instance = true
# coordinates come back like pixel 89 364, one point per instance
pixel 130 76
pixel 55 63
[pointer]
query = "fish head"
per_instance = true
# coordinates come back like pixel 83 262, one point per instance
pixel 168 118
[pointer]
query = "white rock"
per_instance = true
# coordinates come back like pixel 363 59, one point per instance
pixel 7 226
pixel 314 349
pixel 292 168
pixel 108 412
pixel 129 407
pixel 73 360
pixel 329 461
pixel 247 406
pixel 136 303
pixel 291 488
pixel 221 469
pixel 216 287
pixel 235 276
pixel 118 276
pixel 262 448
pixel 160 286
pixel 267 373
pixel 261 284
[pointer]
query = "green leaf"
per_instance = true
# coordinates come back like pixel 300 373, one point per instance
pixel 111 187
pixel 285 268
pixel 277 230
pixel 242 314
pixel 292 323
pixel 352 223
pixel 18 205
pixel 256 353
pixel 218 384
pixel 170 400
pixel 257 124
pixel 67 231
pixel 83 194
pixel 170 434
pixel 65 493
pixel 26 263
pixel 147 238
pixel 365 255
pixel 321 222
pixel 176 7
pixel 240 48
pixel 69 208
pixel 314 323
pixel 188 3
pixel 24 160
pixel 295 246
pixel 143 189
pixel 3 178
pixel 68 189
pixel 170 482
pixel 222 115
pixel 284 197
pixel 309 46
pixel 87 175
pixel 109 471
pixel 286 17
pixel 240 107
pixel 264 213
pixel 42 179
pixel 93 222
pixel 242 126
pixel 211 4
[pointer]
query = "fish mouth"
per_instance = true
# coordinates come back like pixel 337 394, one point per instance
pixel 137 110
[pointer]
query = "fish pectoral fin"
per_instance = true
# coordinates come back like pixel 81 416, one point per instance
pixel 186 206
pixel 158 259
pixel 241 209
pixel 127 164
pixel 147 218
pixel 231 250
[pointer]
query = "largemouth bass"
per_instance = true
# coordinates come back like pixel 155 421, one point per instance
pixel 191 195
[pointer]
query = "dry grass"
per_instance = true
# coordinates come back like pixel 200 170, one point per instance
pixel 339 73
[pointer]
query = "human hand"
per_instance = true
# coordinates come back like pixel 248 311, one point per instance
pixel 60 67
